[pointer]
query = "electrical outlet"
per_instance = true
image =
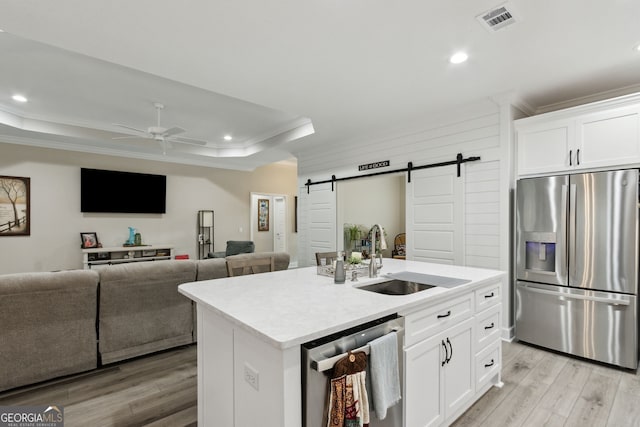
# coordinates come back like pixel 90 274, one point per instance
pixel 251 376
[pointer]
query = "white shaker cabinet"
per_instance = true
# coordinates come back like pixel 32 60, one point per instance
pixel 545 147
pixel 608 138
pixel 599 135
pixel 452 355
pixel 440 376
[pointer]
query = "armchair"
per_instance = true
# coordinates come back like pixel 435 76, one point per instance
pixel 235 247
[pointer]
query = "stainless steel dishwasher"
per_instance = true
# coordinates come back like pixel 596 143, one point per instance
pixel 319 356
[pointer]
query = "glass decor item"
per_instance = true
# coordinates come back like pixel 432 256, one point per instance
pixel 131 240
pixel 339 275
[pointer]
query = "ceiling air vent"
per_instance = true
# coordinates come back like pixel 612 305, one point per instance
pixel 497 18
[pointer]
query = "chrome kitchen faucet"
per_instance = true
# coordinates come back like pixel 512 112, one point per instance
pixel 373 268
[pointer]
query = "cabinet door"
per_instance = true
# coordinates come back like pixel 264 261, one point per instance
pixel 423 398
pixel 608 138
pixel 459 381
pixel 439 376
pixel 545 147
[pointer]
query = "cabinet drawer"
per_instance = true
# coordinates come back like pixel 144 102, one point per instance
pixel 431 320
pixel 488 296
pixel 488 327
pixel 488 363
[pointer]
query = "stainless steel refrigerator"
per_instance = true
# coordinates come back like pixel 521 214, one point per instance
pixel 577 264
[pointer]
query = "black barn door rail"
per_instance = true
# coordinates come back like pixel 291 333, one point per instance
pixel 458 161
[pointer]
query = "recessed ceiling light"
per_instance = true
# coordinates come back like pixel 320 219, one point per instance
pixel 458 58
pixel 19 98
pixel 228 137
pixel 637 47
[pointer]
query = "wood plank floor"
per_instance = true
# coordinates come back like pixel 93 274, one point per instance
pixel 157 390
pixel 541 388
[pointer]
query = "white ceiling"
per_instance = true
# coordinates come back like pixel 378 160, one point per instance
pixel 263 70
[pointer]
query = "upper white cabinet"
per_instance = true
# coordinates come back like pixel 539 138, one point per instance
pixel 545 147
pixel 599 135
pixel 608 138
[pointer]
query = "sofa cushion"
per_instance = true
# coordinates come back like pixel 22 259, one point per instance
pixel 48 325
pixel 141 310
pixel 211 268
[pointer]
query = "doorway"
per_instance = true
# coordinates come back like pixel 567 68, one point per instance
pixel 361 203
pixel 269 233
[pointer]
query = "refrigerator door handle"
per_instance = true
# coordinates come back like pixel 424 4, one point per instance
pixel 561 261
pixel 580 297
pixel 572 232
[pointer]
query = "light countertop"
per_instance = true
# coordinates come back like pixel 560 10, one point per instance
pixel 290 307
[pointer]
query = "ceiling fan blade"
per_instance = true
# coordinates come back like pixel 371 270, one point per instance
pixel 173 131
pixel 187 140
pixel 130 137
pixel 130 128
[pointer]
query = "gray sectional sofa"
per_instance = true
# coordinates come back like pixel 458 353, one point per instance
pixel 61 323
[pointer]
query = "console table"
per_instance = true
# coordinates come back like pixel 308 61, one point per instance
pixel 96 257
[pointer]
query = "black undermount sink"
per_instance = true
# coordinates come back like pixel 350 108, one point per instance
pixel 396 287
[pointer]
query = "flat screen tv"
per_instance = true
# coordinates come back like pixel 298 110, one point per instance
pixel 122 192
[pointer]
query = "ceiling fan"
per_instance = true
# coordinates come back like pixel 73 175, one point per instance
pixel 159 133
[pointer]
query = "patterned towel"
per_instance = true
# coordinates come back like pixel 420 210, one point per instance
pixel 348 401
pixel 336 401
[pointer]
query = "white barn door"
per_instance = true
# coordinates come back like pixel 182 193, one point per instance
pixel 317 222
pixel 435 216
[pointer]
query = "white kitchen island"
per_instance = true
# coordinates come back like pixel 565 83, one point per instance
pixel 250 329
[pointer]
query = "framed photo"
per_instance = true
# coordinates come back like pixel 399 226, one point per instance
pixel 15 206
pixel 89 240
pixel 263 214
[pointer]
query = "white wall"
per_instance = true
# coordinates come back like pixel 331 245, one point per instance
pixel 56 220
pixel 482 214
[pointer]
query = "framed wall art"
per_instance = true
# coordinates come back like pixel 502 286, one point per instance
pixel 263 214
pixel 15 206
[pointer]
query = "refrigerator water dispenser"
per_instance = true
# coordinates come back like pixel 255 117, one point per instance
pixel 540 256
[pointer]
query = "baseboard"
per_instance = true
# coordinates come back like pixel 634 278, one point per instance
pixel 508 334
